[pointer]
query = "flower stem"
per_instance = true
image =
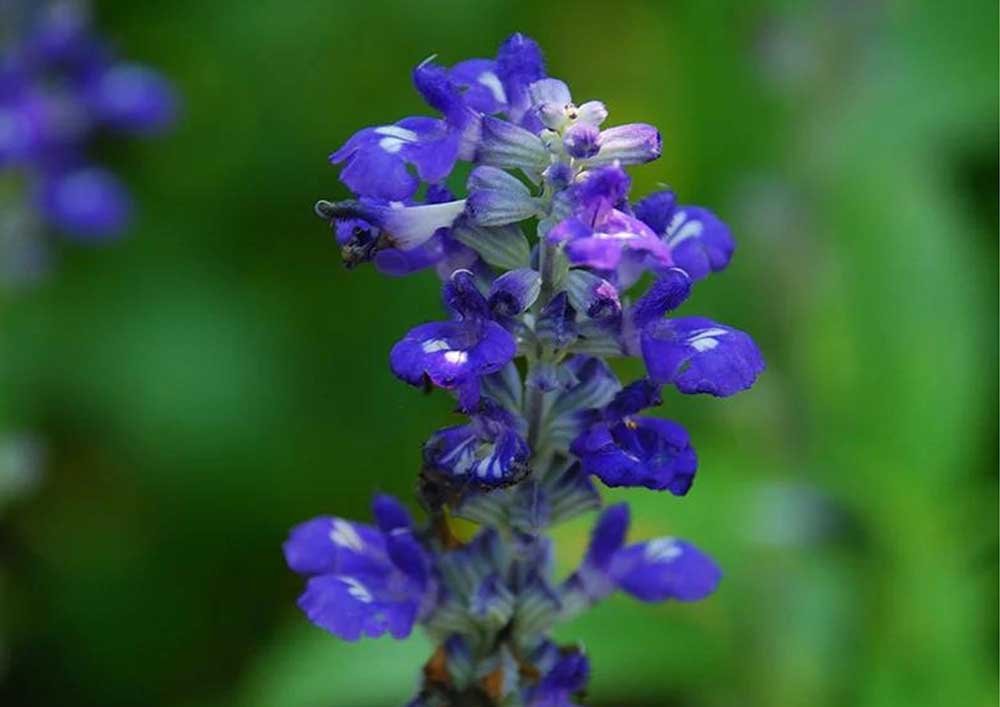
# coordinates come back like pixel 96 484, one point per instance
pixel 534 396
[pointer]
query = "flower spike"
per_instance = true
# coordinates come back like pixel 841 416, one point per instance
pixel 544 416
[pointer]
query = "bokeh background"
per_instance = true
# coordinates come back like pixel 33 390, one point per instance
pixel 181 398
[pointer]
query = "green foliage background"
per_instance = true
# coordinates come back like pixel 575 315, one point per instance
pixel 218 377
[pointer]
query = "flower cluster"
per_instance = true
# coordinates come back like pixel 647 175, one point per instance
pixel 60 86
pixel 530 324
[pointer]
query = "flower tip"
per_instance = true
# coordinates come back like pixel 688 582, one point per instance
pixel 427 61
pixel 657 146
pixel 325 209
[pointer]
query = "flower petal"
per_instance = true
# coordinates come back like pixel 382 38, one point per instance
pixel 699 241
pixel 639 451
pixel 134 98
pixel 375 167
pixel 390 514
pixel 607 536
pixel 519 64
pixel 665 295
pixel 700 356
pixel 327 545
pixel 451 353
pixel 350 607
pixel 88 204
pixel 488 455
pixel 636 143
pixel 514 292
pixel 665 568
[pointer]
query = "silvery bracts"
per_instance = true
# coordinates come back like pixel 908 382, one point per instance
pixel 530 323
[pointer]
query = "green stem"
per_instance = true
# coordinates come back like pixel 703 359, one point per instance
pixel 535 398
pixel 534 409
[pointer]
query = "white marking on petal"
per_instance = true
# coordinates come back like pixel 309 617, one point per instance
pixel 344 534
pixel 705 339
pixel 492 82
pixel 411 226
pixel 663 550
pixel 680 229
pixel 397 132
pixel 456 357
pixel 392 145
pixel 435 345
pixel 462 458
pixel 357 590
pixel 617 236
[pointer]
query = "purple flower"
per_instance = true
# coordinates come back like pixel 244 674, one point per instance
pixel 455 354
pixel 363 580
pixel 59 84
pixel 642 451
pixel 440 251
pixel 598 234
pixel 485 86
pixel 699 242
pixel 594 296
pixel 480 85
pixel 695 354
pixel 665 295
pixel 701 356
pixel 652 571
pixel 88 204
pixel 19 131
pixel 62 32
pixel 553 103
pixel 361 241
pixel 43 128
pixel 520 64
pixel 665 568
pixel 582 140
pixel 537 432
pixel 623 449
pixel 377 159
pixel 514 292
pixel 601 245
pixel 635 143
pixel 489 451
pixel 567 677
pixel 133 98
pixel 386 225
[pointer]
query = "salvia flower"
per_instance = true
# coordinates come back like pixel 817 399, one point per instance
pixel 652 571
pixel 364 580
pixel 531 324
pixel 61 86
pixel 624 449
pixel 488 451
pixel 458 353
pixel 698 241
pixel 599 234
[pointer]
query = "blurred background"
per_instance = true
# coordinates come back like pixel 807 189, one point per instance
pixel 172 403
